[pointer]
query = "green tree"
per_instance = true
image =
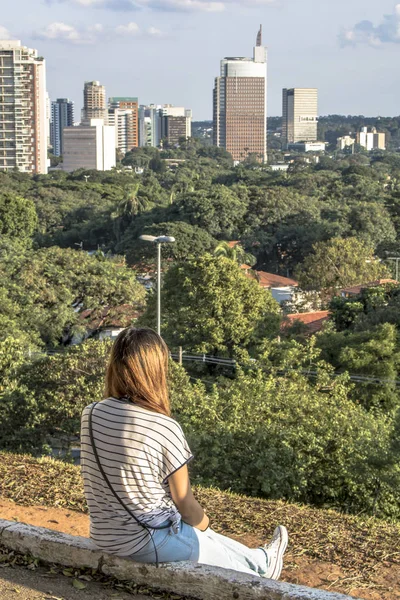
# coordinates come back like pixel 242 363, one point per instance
pixel 339 263
pixel 190 241
pixel 51 286
pixel 234 252
pixel 18 218
pixel 131 205
pixel 210 306
pixel 374 353
pixel 218 210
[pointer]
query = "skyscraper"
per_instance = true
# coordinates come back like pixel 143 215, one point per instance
pixel 94 102
pixel 300 115
pixel 240 105
pixel 23 114
pixel 123 113
pixel 62 115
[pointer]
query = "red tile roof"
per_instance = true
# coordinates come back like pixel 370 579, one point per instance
pixel 233 244
pixel 245 267
pixel 270 280
pixel 313 320
pixel 356 289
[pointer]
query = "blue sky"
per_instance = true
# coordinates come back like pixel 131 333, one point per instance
pixel 169 50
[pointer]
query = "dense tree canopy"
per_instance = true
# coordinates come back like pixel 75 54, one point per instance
pixel 340 263
pixel 210 306
pixel 18 217
pixel 45 290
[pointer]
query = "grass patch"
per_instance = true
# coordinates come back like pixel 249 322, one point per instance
pixel 356 544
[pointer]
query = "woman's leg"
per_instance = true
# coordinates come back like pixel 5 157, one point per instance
pixel 206 547
pixel 219 550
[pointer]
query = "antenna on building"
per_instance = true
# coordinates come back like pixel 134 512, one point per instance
pixel 259 37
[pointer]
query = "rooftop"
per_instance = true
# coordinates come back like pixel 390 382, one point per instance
pixel 312 320
pixel 356 289
pixel 271 280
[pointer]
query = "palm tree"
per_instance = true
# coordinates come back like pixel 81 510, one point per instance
pixel 131 205
pixel 233 252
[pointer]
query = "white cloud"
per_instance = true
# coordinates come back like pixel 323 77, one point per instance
pixel 129 29
pixel 62 32
pixel 365 32
pixel 4 33
pixel 154 31
pixel 165 5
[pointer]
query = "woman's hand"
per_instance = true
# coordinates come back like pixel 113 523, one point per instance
pixel 182 495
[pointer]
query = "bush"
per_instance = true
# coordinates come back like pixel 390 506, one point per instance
pixel 277 437
pixel 259 434
pixel 51 394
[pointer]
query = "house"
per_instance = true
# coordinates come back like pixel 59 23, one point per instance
pixel 282 288
pixel 313 321
pixel 355 290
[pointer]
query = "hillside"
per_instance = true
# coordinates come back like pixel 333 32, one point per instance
pixel 350 554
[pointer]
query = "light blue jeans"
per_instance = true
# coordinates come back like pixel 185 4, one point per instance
pixel 204 547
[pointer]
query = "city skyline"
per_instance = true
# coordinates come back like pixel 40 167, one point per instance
pixel 180 41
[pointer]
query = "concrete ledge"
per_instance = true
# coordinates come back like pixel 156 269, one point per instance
pixel 184 578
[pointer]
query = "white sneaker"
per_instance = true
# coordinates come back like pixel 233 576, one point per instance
pixel 275 551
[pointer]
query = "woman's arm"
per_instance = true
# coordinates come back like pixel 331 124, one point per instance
pixel 182 495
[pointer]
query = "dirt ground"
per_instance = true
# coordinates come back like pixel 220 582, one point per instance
pixel 301 570
pixel 18 583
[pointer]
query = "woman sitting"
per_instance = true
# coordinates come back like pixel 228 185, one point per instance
pixel 134 466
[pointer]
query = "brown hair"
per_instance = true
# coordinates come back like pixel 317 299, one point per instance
pixel 138 369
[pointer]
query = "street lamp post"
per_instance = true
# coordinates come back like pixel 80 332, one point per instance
pixel 162 239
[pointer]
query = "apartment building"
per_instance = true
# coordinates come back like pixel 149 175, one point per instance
pixel 300 115
pixel 23 110
pixel 123 113
pixel 62 115
pixel 240 105
pixel 149 126
pixel 94 102
pixel 158 123
pixel 176 123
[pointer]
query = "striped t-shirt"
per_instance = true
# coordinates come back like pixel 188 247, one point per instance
pixel 138 451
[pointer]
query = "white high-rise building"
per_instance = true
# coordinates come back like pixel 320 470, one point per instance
pixel 300 115
pixel 240 105
pixel 92 147
pixel 23 109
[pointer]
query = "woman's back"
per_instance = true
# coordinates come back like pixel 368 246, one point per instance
pixel 138 450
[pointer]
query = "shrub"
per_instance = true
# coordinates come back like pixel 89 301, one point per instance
pixel 258 434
